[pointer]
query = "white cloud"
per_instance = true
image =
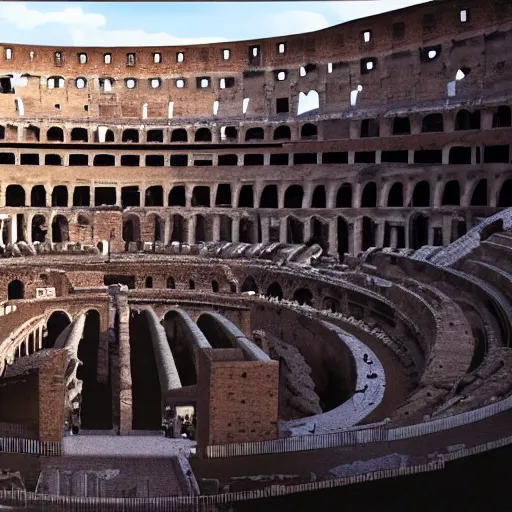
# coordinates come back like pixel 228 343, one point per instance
pixel 295 22
pixel 351 10
pixel 100 37
pixel 23 18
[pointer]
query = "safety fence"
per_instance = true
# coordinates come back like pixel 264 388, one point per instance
pixel 367 434
pixel 29 446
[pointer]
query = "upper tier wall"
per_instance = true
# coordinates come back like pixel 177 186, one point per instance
pixel 398 77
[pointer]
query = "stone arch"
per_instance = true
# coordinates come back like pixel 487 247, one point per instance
pixel 343 237
pixel 179 135
pixel 154 196
pixel 319 233
pixel 293 196
pixel 169 283
pixel 465 120
pixel 109 136
pixel 505 194
pixel 401 126
pixel 502 116
pixel 303 296
pixel 203 231
pixel 14 196
pixel 254 134
pixel 294 230
pixel 344 196
pixel 15 290
pixel 275 291
pixel 331 304
pixel 155 135
pixel 246 197
pixel 421 194
pixel 480 196
pixel 318 199
pixel 396 195
pixel 60 229
pixel 432 123
pixel 39 228
pixel 451 193
pixel 419 226
pixel 309 131
pixel 246 231
pixel 55 134
pixel 179 228
pixel 130 135
pixel 282 132
pixel 268 197
pixel 368 235
pixel 203 135
pixel 158 225
pixel 131 228
pixel 201 196
pixel 79 135
pixel 249 285
pixel 177 196
pixel 56 322
pixel 369 195
pixel 215 286
pixel 38 196
pixel 226 228
pixel 60 196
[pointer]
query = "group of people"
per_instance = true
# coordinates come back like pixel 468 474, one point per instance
pixel 175 426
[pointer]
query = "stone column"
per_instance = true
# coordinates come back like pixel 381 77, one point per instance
pixel 14 229
pixel 282 230
pixel 2 232
pixel 235 231
pixel 40 337
pixel 394 236
pixel 379 235
pixel 167 230
pixel 216 228
pixel 358 236
pixel 307 229
pixel 333 236
pixel 191 230
pixel 265 225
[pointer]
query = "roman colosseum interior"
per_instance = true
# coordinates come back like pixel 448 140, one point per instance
pixel 238 271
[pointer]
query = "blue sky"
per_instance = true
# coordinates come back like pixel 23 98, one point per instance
pixel 160 23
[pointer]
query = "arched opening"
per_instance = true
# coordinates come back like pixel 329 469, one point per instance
pixel 57 159
pixel 401 126
pixel 39 228
pixel 104 161
pixel 309 132
pixel 148 283
pixel 246 231
pixel 246 197
pixel 60 196
pixel 179 231
pixel 146 394
pixel 96 403
pixel 154 196
pixel 215 286
pixel 282 133
pixel 57 322
pixel 293 196
pixel 203 135
pixel 226 226
pixel 303 296
pixel 170 284
pixel 155 136
pixel 269 197
pixel 130 135
pixel 466 120
pixel 318 200
pixel 505 195
pixel 79 135
pixel 158 228
pixel 459 155
pixel 14 196
pixel 191 284
pixel 369 229
pixel 319 234
pixel 370 128
pixel 38 196
pixel 254 134
pixel 275 291
pixel 294 231
pixel 502 117
pixel 480 194
pixel 179 135
pixel 419 231
pixel 451 194
pixel 344 196
pixel 249 285
pixel 60 229
pixel 201 196
pixel 432 123
pixel 331 304
pixel 109 136
pixel 55 134
pixel 81 196
pixel 396 195
pixel 131 228
pixel 15 290
pixel 369 195
pixel 223 196
pixel 421 194
pixel 203 231
pixel 177 196
pixel 343 238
